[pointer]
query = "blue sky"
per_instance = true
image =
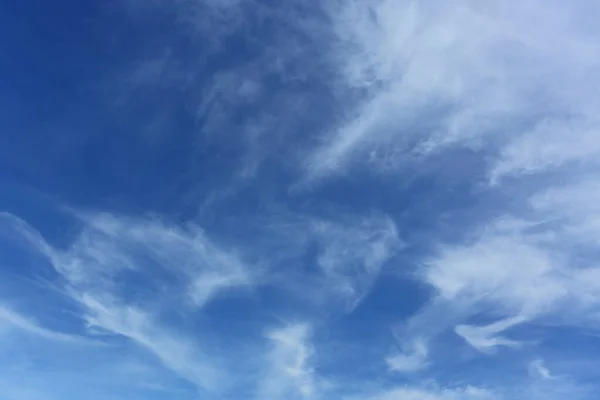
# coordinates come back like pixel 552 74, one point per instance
pixel 343 199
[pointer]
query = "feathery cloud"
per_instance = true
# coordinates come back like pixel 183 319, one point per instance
pixel 179 266
pixel 442 74
pixel 291 371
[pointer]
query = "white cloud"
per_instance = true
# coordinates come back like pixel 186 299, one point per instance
pixel 181 267
pixel 184 267
pixel 516 79
pixel 536 266
pixel 575 206
pixel 174 351
pixel 574 212
pixel 109 245
pixel 486 338
pixel 538 370
pixel 290 365
pixel 506 271
pixel 485 73
pixel 30 326
pixel 413 358
pixel 550 145
pixel 516 272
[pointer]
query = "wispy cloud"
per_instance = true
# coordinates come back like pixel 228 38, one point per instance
pixel 487 338
pixel 241 106
pixel 549 146
pixel 290 364
pixel 177 353
pixel 349 252
pixel 516 272
pixel 491 270
pixel 187 270
pixel 181 266
pixel 438 74
pixel 32 327
pixel 537 369
pixel 249 104
pixel 414 358
pixel 352 253
pixel 574 207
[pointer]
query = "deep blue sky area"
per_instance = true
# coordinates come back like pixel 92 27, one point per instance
pixel 254 199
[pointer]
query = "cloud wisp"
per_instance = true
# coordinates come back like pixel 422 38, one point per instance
pixel 290 359
pixel 29 326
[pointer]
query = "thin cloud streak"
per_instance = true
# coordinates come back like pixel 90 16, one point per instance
pixel 99 262
pixel 32 327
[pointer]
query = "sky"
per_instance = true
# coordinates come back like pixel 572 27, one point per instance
pixel 299 200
